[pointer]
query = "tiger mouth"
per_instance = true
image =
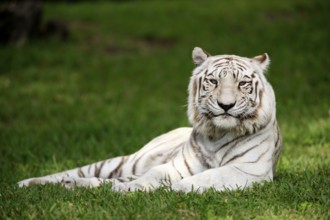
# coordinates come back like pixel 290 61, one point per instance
pixel 225 115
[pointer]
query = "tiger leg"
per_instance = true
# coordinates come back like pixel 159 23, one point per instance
pixel 89 175
pixel 234 176
pixel 179 167
pixel 125 168
pixel 162 175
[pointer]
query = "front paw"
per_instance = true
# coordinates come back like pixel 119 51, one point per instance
pixel 71 182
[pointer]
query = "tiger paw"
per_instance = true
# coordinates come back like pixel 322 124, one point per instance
pixel 70 183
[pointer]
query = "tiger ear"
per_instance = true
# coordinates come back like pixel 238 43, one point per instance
pixel 199 56
pixel 263 60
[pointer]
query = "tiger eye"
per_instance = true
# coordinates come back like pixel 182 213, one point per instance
pixel 213 81
pixel 243 83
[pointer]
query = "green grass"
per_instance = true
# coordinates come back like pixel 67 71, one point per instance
pixel 121 79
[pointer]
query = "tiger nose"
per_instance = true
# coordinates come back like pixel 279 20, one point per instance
pixel 226 107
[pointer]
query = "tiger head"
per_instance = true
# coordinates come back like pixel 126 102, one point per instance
pixel 228 92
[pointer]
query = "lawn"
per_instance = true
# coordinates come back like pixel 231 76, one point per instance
pixel 121 79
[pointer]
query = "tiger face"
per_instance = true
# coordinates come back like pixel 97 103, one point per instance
pixel 227 91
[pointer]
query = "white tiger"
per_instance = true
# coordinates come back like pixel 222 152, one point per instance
pixel 234 141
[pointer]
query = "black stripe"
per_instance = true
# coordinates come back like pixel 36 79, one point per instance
pixel 177 170
pixel 256 90
pixel 134 167
pixel 120 180
pixel 188 167
pixel 97 170
pixel 199 86
pixel 186 163
pixel 241 66
pixel 240 62
pixel 278 144
pixel 198 153
pixel 251 90
pixel 261 92
pixel 223 73
pixel 237 140
pixel 220 65
pixel 260 156
pixel 278 137
pixel 114 172
pixel 251 174
pixel 223 58
pixel 168 179
pixel 243 153
pixel 135 163
pixel 80 172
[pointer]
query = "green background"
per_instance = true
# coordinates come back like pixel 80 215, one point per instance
pixel 121 79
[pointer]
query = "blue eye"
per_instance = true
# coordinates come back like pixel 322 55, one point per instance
pixel 213 81
pixel 243 83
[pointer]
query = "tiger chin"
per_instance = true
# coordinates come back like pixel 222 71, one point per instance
pixel 234 140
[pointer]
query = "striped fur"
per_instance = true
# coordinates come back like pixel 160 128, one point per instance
pixel 234 141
